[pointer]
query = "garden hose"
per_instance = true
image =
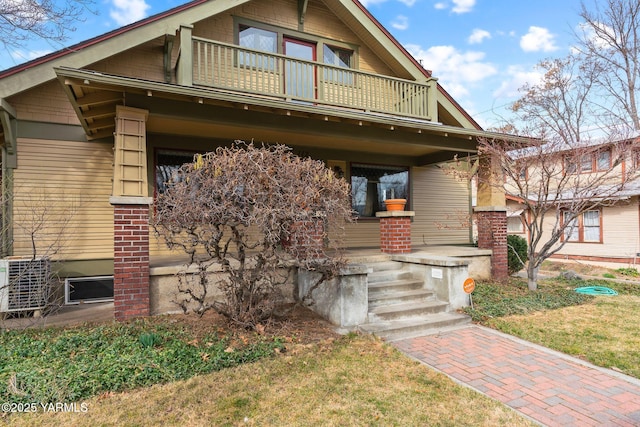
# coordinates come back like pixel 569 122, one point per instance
pixel 596 290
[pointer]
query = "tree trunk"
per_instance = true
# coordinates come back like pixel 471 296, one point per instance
pixel 532 276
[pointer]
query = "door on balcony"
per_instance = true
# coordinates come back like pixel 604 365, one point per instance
pixel 300 76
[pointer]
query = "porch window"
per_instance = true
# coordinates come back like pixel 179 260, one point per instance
pixel 167 163
pixel 586 227
pixel 371 185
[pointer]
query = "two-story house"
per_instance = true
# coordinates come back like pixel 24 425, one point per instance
pixel 101 124
pixel 600 176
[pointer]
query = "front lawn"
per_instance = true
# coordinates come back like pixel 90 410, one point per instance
pixel 66 365
pixel 603 330
pixel 345 381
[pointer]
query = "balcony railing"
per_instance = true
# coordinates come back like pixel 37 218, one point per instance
pixel 221 65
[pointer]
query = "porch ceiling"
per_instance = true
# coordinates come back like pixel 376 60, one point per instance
pixel 198 112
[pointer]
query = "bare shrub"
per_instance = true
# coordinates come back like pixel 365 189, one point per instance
pixel 253 213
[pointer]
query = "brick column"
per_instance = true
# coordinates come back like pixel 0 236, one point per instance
pixel 492 234
pixel 395 231
pixel 130 257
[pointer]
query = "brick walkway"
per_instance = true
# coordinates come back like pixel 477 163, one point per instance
pixel 549 387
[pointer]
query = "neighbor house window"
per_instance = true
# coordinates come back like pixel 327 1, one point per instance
pixel 167 164
pixel 515 223
pixel 599 161
pixel 371 185
pixel 603 160
pixel 586 227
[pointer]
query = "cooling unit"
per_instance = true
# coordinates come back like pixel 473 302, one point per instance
pixel 24 283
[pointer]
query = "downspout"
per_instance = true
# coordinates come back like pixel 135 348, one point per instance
pixel 9 163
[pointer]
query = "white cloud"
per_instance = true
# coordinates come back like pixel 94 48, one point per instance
pixel 516 78
pixel 463 6
pixel 538 39
pixel 589 35
pixel 408 3
pixel 367 3
pixel 454 69
pixel 478 36
pixel 400 23
pixel 127 11
pixel 459 6
pixel 20 55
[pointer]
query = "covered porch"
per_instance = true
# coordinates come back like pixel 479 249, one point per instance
pixel 154 119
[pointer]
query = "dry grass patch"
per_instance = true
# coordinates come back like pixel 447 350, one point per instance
pixel 604 332
pixel 354 380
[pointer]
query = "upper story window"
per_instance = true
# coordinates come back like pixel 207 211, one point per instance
pixel 599 161
pixel 337 56
pixel 258 39
pixel 270 38
pixel 603 160
pixel 371 185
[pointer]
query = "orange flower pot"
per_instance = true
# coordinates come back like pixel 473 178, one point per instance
pixel 395 204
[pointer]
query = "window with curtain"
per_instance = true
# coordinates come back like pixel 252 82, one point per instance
pixel 603 160
pixel 371 185
pixel 167 164
pixel 515 224
pixel 340 58
pixel 584 228
pixel 258 39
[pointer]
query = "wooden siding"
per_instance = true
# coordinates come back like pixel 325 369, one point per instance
pixel 65 180
pixel 441 203
pixel 146 61
pixel 45 103
pixel 620 233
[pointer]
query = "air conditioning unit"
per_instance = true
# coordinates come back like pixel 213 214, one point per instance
pixel 24 283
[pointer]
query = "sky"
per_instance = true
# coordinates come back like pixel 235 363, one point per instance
pixel 481 51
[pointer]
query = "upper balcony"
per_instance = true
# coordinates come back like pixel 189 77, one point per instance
pixel 208 63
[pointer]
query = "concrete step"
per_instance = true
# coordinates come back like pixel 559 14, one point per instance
pixel 378 289
pixel 406 310
pixel 388 275
pixel 394 330
pixel 384 266
pixel 377 299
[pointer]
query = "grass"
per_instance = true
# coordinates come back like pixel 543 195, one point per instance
pixel 67 365
pixel 602 330
pixel 354 380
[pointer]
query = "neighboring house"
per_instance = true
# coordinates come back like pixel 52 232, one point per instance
pixel 609 233
pixel 102 124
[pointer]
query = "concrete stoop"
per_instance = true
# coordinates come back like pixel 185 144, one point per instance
pixel 400 307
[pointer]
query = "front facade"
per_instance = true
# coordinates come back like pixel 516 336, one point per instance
pixel 92 132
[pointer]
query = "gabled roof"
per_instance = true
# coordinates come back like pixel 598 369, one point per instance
pixel 38 71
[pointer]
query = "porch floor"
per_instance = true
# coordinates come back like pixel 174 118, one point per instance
pixel 357 255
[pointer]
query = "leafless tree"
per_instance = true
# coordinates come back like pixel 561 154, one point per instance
pixel 610 37
pixel 25 20
pixel 253 212
pixel 565 169
pixel 42 229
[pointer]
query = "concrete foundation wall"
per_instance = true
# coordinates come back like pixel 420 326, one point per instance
pixel 164 282
pixel 344 301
